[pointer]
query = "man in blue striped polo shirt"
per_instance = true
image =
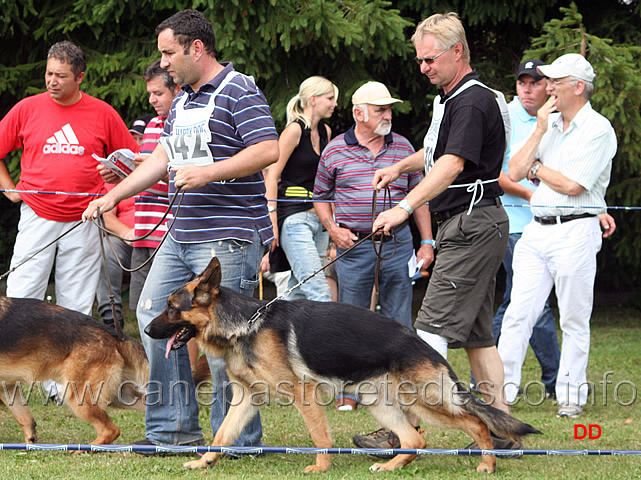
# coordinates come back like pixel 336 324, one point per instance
pixel 218 137
pixel 344 175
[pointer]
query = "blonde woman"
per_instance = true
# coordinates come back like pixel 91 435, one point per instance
pixel 297 229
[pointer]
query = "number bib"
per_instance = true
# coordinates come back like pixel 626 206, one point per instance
pixel 188 143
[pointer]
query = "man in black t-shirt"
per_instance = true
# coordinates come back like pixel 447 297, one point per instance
pixel 462 155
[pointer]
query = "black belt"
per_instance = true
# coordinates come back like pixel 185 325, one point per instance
pixel 561 218
pixel 440 217
pixel 362 235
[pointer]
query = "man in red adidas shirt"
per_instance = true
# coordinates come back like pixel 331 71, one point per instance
pixel 59 130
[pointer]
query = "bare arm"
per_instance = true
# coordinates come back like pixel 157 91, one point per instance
pixel 384 176
pixel 147 174
pixel 423 221
pixel 514 188
pixel 343 237
pixel 288 141
pixel 558 182
pixel 117 226
pixel 445 170
pixel 6 183
pixel 521 161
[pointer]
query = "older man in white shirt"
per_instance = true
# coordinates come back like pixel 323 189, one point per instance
pixel 570 153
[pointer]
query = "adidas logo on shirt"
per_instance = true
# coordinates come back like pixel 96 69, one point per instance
pixel 64 141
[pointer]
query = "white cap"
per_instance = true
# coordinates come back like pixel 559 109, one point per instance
pixel 570 64
pixel 374 93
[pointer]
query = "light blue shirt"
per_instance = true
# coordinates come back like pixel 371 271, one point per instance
pixel 523 124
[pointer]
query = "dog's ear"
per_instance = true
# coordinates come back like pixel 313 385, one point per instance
pixel 208 282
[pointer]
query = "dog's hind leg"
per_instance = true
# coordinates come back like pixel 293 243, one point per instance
pixel 18 407
pixel 91 412
pixel 393 418
pixel 470 424
pixel 316 421
pixel 239 415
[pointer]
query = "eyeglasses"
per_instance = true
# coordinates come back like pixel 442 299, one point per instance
pixel 430 60
pixel 556 83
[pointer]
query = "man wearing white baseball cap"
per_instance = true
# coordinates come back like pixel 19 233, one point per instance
pixel 570 153
pixel 345 173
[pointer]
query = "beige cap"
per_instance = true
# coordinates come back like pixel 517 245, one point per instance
pixel 569 65
pixel 374 93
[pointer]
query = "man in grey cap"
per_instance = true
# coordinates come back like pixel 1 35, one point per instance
pixel 570 153
pixel 345 173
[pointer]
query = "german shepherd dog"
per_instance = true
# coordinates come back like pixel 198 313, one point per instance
pixel 294 347
pixel 42 341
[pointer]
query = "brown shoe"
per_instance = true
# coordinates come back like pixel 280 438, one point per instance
pixel 346 404
pixel 379 439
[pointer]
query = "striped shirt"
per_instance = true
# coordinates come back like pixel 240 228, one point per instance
pixel 345 173
pixel 230 209
pixel 583 153
pixel 150 207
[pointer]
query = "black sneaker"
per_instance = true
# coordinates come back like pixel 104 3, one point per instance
pixel 501 444
pixel 379 439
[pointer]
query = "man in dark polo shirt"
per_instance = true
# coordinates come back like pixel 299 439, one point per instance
pixel 462 155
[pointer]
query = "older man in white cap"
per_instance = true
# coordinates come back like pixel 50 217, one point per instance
pixel 570 153
pixel 345 175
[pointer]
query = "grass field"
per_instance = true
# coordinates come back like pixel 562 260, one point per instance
pixel 615 356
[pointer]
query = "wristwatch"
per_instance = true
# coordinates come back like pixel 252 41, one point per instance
pixel 535 168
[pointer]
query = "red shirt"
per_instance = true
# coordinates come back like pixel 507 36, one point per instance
pixel 58 141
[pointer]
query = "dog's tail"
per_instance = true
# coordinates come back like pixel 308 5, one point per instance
pixel 500 423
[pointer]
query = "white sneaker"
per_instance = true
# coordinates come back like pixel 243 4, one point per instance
pixel 571 411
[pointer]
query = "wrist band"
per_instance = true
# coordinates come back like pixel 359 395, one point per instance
pixel 406 206
pixel 429 242
pixel 271 209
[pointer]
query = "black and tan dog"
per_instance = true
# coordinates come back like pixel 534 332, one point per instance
pixel 41 341
pixel 294 347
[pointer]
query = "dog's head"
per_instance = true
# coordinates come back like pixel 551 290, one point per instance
pixel 188 309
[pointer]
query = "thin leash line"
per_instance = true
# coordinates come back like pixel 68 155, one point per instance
pixel 42 249
pixel 339 202
pixel 378 252
pixel 263 308
pixel 104 231
pixel 307 450
pixel 79 194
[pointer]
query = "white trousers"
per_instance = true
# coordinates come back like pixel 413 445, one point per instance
pixel 76 255
pixel 563 256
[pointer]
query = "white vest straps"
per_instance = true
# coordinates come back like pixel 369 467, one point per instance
pixel 190 135
pixel 431 137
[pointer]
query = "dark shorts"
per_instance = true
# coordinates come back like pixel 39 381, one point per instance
pixel 459 301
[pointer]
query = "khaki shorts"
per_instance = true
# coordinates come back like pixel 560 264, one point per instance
pixel 459 301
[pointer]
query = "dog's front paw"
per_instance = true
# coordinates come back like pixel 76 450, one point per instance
pixel 378 467
pixel 486 467
pixel 207 460
pixel 314 469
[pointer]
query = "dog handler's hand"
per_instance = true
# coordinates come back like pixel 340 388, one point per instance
pixel 105 204
pixel 190 176
pixel 384 176
pixel 389 219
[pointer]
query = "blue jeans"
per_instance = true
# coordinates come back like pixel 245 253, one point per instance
pixel 544 341
pixel 356 272
pixel 304 241
pixel 172 410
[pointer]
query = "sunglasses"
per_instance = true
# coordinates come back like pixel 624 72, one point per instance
pixel 430 60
